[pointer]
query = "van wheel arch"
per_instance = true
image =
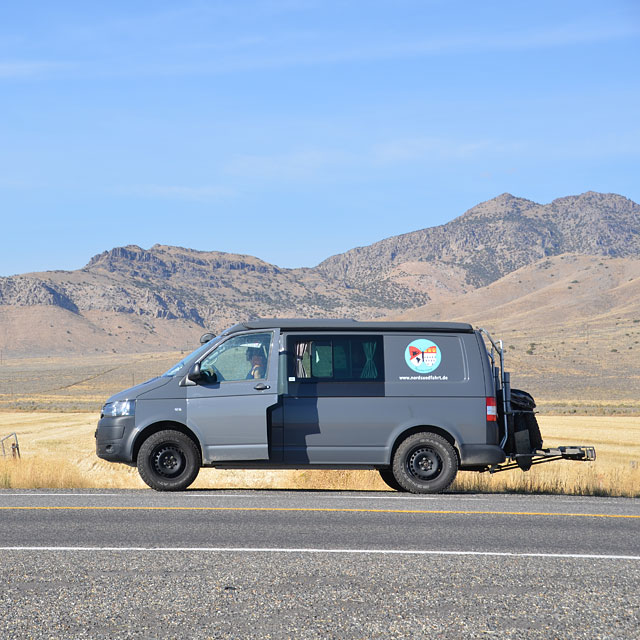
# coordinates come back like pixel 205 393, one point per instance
pixel 425 429
pixel 162 426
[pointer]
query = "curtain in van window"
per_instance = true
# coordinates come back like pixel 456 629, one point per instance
pixel 369 371
pixel 302 350
pixel 322 359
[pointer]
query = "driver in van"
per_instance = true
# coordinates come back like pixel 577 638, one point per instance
pixel 258 370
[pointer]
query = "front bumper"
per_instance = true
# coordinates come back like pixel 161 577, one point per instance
pixel 112 438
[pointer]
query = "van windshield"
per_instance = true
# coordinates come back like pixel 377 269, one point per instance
pixel 194 355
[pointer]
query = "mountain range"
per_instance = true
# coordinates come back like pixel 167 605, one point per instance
pixel 484 264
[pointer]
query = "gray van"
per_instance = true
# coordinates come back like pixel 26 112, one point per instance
pixel 416 401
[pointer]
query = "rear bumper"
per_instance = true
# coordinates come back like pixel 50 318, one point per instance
pixel 480 455
pixel 112 438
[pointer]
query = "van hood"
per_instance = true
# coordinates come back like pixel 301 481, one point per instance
pixel 133 393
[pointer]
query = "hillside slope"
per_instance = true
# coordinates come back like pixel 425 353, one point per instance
pixel 570 325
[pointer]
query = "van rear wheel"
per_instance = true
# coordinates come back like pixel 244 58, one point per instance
pixel 168 461
pixel 425 463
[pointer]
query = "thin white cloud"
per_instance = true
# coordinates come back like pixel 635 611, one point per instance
pixel 415 148
pixel 20 184
pixel 601 146
pixel 296 165
pixel 308 49
pixel 563 35
pixel 319 164
pixel 26 68
pixel 254 51
pixel 207 193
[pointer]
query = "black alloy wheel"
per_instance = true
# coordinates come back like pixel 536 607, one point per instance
pixel 168 460
pixel 424 463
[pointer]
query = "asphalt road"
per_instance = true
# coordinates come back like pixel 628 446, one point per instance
pixel 243 564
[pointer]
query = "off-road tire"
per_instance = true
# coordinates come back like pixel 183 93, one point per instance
pixel 390 480
pixel 425 463
pixel 168 461
pixel 521 439
pixel 535 437
pixel 526 438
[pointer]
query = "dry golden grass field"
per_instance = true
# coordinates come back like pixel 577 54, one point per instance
pixel 58 452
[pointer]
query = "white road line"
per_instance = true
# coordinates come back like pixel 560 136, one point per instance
pixel 58 495
pixel 247 495
pixel 415 552
pixel 284 493
pixel 214 493
pixel 331 497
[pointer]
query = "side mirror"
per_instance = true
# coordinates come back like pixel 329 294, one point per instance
pixel 206 337
pixel 195 374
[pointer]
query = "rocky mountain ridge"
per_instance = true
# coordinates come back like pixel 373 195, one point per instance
pixel 129 292
pixel 503 234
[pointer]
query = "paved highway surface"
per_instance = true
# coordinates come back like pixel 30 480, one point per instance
pixel 244 564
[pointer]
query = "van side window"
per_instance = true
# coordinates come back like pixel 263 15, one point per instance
pixel 244 357
pixel 337 358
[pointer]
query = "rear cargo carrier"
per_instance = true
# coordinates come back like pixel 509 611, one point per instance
pixel 525 461
pixel 521 439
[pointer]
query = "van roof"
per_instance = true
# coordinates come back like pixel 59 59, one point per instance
pixel 300 324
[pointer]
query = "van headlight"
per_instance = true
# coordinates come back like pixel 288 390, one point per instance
pixel 117 409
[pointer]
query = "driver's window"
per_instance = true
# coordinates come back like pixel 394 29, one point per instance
pixel 239 358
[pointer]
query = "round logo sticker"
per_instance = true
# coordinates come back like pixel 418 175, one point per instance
pixel 423 356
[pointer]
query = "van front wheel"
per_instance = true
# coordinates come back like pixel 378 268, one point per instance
pixel 168 461
pixel 425 463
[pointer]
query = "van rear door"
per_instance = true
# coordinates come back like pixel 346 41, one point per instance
pixel 229 409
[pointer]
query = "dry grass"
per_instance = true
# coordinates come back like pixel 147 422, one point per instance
pixel 616 472
pixel 58 452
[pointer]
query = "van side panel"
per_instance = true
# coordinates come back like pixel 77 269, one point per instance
pixel 433 380
pixel 329 430
pixel 363 431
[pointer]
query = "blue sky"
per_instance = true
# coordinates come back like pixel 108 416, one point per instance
pixel 296 129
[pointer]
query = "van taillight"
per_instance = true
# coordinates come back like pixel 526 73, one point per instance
pixel 492 410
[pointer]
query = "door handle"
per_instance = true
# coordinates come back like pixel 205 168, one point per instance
pixel 261 387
